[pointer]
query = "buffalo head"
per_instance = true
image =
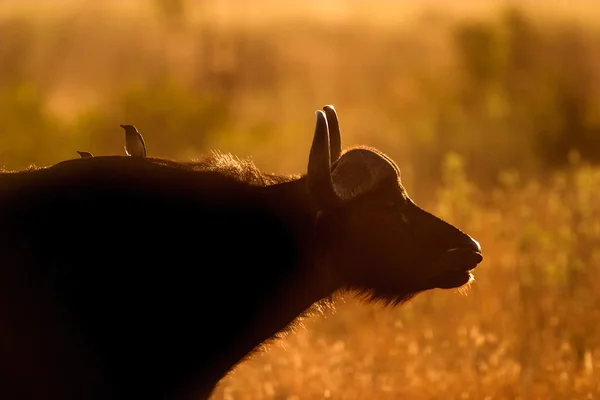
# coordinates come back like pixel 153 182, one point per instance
pixel 372 237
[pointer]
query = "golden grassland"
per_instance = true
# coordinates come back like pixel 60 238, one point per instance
pixel 492 111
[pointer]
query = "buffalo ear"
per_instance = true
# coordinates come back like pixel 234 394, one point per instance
pixel 320 184
pixel 360 171
pixel 335 137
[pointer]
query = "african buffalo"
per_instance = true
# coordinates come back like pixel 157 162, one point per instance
pixel 145 278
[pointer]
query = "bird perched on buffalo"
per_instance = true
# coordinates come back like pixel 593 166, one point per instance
pixel 134 142
pixel 85 154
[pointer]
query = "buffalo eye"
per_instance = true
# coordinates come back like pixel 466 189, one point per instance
pixel 396 206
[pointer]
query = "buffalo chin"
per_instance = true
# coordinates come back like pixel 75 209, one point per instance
pixel 453 279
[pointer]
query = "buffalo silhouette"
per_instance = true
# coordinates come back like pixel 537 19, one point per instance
pixel 131 277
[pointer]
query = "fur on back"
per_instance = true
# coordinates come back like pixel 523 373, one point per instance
pixel 241 169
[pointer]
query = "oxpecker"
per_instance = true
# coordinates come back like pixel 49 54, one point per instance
pixel 134 142
pixel 85 154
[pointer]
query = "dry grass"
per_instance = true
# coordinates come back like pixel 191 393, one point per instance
pixel 478 102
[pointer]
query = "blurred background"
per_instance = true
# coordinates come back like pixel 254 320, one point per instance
pixel 491 109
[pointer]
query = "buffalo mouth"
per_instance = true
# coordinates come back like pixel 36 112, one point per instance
pixel 455 267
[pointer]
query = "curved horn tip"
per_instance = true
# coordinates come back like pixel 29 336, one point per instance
pixel 320 185
pixel 335 139
pixel 321 119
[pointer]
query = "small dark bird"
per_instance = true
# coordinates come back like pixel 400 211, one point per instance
pixel 85 154
pixel 134 142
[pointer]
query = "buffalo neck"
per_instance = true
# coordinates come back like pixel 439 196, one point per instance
pixel 303 285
